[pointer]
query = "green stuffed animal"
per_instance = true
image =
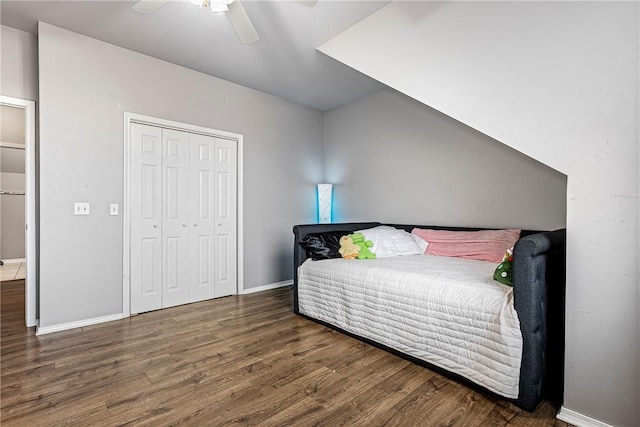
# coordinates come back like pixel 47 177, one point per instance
pixel 504 271
pixel 365 252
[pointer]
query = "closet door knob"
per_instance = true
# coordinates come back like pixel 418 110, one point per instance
pixel 195 225
pixel 184 225
pixel 155 225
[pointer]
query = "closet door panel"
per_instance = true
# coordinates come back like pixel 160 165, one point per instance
pixel 225 217
pixel 145 214
pixel 183 189
pixel 202 246
pixel 175 218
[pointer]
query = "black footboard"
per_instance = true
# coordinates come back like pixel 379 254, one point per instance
pixel 539 298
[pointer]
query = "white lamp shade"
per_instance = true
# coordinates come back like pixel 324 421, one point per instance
pixel 325 201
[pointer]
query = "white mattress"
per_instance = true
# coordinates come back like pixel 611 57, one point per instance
pixel 446 311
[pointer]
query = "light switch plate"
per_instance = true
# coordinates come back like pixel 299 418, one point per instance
pixel 113 209
pixel 81 208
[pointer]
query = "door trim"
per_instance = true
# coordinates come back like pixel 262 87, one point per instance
pixel 31 250
pixel 130 118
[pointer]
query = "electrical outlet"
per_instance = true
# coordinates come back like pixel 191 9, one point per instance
pixel 81 208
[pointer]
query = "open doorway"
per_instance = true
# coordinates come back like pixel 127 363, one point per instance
pixel 13 217
pixel 17 198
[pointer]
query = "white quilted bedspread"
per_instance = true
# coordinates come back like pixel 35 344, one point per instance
pixel 446 311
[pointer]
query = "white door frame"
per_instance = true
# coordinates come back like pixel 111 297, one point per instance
pixel 30 287
pixel 126 214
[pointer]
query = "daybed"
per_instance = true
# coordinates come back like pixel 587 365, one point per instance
pixel 536 350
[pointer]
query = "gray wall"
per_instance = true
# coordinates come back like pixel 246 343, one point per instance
pixel 394 159
pixel 85 87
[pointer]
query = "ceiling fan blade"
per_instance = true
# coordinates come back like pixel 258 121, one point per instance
pixel 242 24
pixel 148 6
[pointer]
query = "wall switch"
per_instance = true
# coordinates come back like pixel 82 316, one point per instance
pixel 113 209
pixel 81 208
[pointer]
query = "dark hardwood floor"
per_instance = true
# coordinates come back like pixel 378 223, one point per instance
pixel 244 360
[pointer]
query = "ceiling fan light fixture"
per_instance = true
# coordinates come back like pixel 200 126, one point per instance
pixel 218 6
pixel 233 8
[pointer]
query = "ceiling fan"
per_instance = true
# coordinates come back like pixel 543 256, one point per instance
pixel 233 9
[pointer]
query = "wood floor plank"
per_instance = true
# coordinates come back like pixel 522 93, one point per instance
pixel 239 360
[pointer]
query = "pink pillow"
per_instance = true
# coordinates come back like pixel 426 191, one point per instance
pixel 484 245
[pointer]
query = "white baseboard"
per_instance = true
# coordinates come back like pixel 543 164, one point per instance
pixel 41 330
pixel 578 419
pixel 13 261
pixel 267 287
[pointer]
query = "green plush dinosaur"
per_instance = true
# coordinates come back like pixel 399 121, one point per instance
pixel 365 252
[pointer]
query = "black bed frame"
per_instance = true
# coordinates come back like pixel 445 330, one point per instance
pixel 539 299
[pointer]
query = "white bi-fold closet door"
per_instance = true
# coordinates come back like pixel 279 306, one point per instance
pixel 183 191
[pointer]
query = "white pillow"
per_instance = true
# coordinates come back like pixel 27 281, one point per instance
pixel 422 244
pixel 389 241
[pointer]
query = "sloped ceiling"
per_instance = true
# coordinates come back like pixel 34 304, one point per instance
pixel 284 62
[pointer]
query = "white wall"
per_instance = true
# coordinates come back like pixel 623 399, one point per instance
pixel 558 81
pixel 85 87
pixel 12 216
pixel 393 159
pixel 19 64
pixel 12 124
pixel 12 178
